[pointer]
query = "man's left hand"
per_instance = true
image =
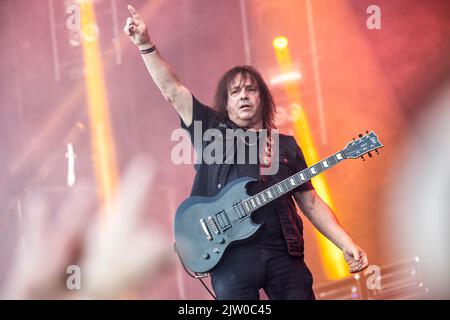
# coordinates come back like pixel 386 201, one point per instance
pixel 356 258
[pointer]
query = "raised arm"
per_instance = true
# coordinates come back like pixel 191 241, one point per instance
pixel 160 71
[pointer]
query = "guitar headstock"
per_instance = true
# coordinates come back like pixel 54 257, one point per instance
pixel 359 147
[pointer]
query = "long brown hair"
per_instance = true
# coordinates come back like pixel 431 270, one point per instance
pixel 246 71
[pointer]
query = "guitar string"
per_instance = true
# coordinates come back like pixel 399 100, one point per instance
pixel 231 210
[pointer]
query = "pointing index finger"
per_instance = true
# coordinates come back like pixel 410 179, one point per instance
pixel 134 12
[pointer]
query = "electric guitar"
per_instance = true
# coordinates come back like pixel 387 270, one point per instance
pixel 205 226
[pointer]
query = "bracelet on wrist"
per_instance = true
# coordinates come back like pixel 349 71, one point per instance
pixel 148 50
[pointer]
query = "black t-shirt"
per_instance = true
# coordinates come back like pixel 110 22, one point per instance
pixel 270 235
pixel 282 225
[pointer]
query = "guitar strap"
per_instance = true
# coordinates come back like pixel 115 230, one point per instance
pixel 223 173
pixel 266 156
pixel 225 167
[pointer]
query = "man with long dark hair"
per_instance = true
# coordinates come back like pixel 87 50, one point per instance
pixel 273 258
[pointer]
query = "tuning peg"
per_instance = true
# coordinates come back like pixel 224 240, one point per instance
pixel 367 132
pixel 370 155
pixel 360 135
pixel 362 157
pixel 376 150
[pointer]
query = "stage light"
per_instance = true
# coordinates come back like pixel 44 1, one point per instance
pixel 102 140
pixel 331 256
pixel 280 42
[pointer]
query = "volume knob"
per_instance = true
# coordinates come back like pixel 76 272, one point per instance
pixel 205 256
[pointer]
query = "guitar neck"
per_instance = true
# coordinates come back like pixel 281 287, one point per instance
pixel 279 189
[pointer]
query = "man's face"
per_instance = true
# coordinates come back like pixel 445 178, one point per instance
pixel 244 104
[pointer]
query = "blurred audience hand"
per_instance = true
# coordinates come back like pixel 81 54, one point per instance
pixel 126 250
pixel 115 251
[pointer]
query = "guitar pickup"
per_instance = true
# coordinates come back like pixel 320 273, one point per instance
pixel 240 210
pixel 211 223
pixel 223 220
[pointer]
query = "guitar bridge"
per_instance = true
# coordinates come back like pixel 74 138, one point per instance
pixel 205 229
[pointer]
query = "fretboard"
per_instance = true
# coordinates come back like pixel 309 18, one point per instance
pixel 277 190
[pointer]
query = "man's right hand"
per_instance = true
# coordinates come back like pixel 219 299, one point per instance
pixel 166 80
pixel 136 29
